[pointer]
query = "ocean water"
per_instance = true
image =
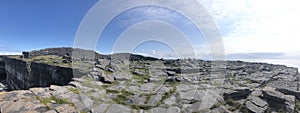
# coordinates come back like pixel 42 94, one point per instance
pixel 288 62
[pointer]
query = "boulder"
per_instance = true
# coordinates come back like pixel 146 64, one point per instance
pixel 107 78
pixel 237 94
pixel 171 73
pixel 278 101
pixel 256 105
pixel 289 92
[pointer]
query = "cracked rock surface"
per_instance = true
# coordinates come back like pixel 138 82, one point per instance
pixel 165 86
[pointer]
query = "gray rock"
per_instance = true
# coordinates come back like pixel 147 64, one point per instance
pixel 100 109
pixel 170 101
pixel 107 78
pixel 154 100
pixel 80 80
pixel 58 89
pixel 155 79
pixel 237 94
pixel 171 109
pixel 42 92
pixel 183 87
pixel 171 73
pixel 252 107
pixel 140 72
pixel 278 100
pixel 289 92
pixel 192 95
pixel 65 108
pixel 121 76
pixel 115 108
pixel 136 100
pixel 257 101
pixel 148 87
pixel 82 103
pixel 256 104
pixel 195 107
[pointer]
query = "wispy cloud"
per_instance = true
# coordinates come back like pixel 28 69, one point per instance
pixel 6 50
pixel 257 26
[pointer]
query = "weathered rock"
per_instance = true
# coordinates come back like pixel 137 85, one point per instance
pixel 289 92
pixel 115 108
pixel 171 73
pixel 58 89
pixel 237 94
pixel 192 95
pixel 139 72
pixel 256 104
pixel 82 103
pixel 100 109
pixel 154 100
pixel 166 110
pixel 279 101
pixel 121 76
pixel 148 87
pixel 42 92
pixel 136 100
pixel 170 101
pixel 65 108
pixel 107 78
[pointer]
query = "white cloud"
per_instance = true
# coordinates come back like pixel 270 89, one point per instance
pixel 257 26
pixel 10 53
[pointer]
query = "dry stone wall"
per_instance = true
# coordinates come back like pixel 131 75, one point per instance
pixel 24 75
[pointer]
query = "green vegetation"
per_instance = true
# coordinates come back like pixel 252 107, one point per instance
pixel 234 105
pixel 297 106
pixel 74 90
pixel 112 91
pixel 217 105
pixel 57 61
pixel 141 78
pixel 172 83
pixel 109 85
pixel 169 94
pixel 54 99
pixel 144 107
pixel 122 96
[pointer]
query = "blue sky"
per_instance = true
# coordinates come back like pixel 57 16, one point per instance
pixel 250 29
pixel 36 24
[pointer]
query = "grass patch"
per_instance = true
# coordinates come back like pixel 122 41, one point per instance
pixel 217 105
pixel 112 91
pixel 144 107
pixel 74 90
pixel 172 83
pixel 234 105
pixel 122 97
pixel 141 78
pixel 54 99
pixel 297 106
pixel 169 94
pixel 109 85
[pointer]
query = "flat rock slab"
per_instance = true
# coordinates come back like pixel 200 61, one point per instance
pixel 166 110
pixel 116 108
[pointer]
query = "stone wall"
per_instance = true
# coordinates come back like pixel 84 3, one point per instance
pixel 17 74
pixel 24 75
pixel 2 69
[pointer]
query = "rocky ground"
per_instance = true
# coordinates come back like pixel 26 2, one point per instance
pixel 166 86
